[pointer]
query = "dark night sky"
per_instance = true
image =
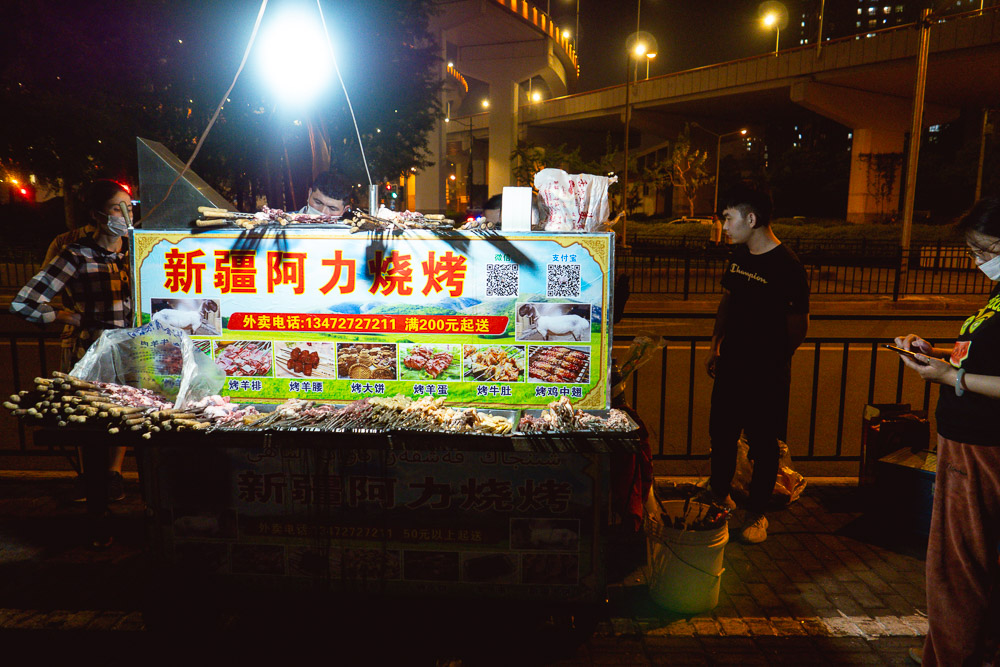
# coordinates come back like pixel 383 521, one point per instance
pixel 690 33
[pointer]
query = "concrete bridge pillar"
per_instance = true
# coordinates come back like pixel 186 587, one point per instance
pixel 879 123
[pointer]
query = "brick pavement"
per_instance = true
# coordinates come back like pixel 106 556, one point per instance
pixel 829 586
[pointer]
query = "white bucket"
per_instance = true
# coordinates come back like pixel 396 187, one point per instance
pixel 685 566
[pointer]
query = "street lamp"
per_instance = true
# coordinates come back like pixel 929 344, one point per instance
pixel 637 45
pixel 718 153
pixel 649 56
pixel 774 15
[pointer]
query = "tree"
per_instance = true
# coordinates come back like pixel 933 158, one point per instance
pixel 882 171
pixel 684 169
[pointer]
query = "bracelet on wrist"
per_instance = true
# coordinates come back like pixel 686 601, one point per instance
pixel 960 385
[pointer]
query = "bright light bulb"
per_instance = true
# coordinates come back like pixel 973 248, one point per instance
pixel 770 19
pixel 650 55
pixel 743 131
pixel 640 49
pixel 486 104
pixel 294 57
pixel 565 34
pixel 451 64
pixel 536 96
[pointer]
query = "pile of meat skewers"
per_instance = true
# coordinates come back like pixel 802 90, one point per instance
pixel 67 401
pixel 560 417
pixel 383 414
pixel 431 362
pixel 358 221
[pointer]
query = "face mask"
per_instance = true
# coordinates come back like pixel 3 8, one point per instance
pixel 991 268
pixel 311 211
pixel 117 225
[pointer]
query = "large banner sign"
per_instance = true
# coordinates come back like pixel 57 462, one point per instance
pixel 513 321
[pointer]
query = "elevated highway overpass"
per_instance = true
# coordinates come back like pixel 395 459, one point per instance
pixel 865 83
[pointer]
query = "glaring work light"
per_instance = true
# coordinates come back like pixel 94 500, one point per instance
pixel 294 58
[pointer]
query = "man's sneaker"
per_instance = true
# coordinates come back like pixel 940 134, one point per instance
pixel 116 486
pixel 755 531
pixel 79 492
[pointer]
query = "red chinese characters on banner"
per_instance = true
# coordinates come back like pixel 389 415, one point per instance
pixel 339 265
pixel 390 275
pixel 235 271
pixel 182 271
pixel 286 268
pixel 450 270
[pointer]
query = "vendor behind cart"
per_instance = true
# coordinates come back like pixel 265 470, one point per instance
pixel 329 194
pixel 91 277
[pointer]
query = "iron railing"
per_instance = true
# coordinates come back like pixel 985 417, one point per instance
pixel 686 267
pixel 833 378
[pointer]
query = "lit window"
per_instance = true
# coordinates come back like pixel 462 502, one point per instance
pixel 859 11
pixel 886 9
pixel 803 24
pixel 850 135
pixel 872 23
pixel 871 11
pixel 899 9
pixel 857 24
pixel 934 128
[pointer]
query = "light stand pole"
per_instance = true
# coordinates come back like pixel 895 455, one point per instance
pixel 718 155
pixel 628 86
pixel 923 50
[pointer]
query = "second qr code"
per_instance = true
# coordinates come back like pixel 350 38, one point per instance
pixel 563 280
pixel 502 279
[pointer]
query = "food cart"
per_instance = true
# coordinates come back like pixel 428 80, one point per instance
pixel 457 479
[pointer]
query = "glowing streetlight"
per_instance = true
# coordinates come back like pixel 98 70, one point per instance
pixel 536 96
pixel 718 152
pixel 565 34
pixel 486 104
pixel 649 56
pixel 774 15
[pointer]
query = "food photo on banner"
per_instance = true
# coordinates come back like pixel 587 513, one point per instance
pixel 331 316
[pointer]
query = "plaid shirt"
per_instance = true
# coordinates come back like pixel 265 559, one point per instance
pixel 92 282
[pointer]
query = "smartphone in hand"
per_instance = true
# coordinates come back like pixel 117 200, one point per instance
pixel 908 353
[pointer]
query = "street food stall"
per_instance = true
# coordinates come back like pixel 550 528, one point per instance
pixel 405 409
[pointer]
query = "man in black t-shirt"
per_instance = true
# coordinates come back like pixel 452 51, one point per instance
pixel 762 319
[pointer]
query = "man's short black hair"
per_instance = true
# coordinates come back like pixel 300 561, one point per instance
pixel 748 199
pixel 493 203
pixel 333 185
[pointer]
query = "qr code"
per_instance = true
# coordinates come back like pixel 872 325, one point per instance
pixel 563 280
pixel 502 280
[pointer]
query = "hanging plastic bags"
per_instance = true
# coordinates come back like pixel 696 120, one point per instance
pixel 576 202
pixel 155 357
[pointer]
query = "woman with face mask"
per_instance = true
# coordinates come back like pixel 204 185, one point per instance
pixel 91 277
pixel 963 575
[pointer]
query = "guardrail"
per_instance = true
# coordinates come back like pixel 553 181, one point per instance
pixel 689 266
pixel 17 265
pixel 832 380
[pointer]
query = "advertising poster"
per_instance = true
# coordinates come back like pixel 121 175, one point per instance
pixel 513 321
pixel 499 524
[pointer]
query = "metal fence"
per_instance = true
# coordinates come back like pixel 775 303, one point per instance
pixel 17 265
pixel 832 380
pixel 689 267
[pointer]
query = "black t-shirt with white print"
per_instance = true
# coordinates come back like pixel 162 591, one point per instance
pixel 971 417
pixel 763 290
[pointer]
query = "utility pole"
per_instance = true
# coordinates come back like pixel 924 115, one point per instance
pixel 819 40
pixel 916 127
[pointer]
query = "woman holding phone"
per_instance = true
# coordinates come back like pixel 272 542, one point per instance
pixel 963 574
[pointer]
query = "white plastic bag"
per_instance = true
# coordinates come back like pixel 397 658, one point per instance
pixel 787 487
pixel 155 357
pixel 576 202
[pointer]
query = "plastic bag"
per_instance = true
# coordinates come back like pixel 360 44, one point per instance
pixel 644 347
pixel 155 357
pixel 576 202
pixel 787 487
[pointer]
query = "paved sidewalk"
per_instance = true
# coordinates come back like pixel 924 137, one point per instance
pixel 829 586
